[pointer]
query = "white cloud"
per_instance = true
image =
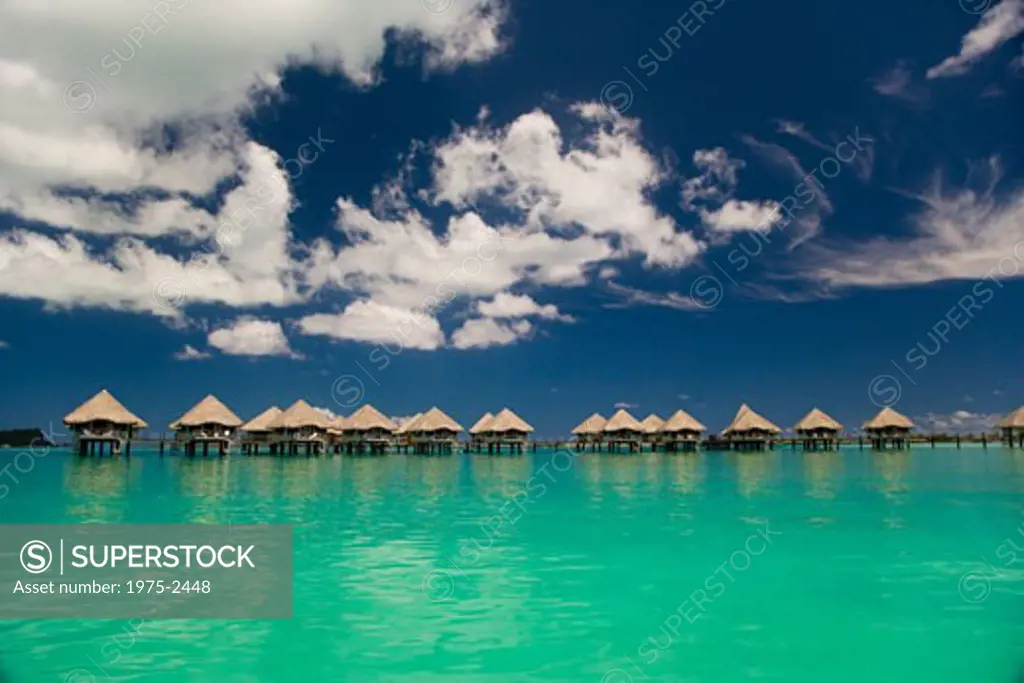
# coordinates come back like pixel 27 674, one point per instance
pixel 139 104
pixel 190 353
pixel 600 185
pixel 957 235
pixel 4 345
pixel 164 61
pixel 486 332
pixel 998 24
pixel 505 305
pixel 622 405
pixel 369 321
pixel 715 186
pixel 251 337
pixel 243 262
pixel 738 215
pixel 719 175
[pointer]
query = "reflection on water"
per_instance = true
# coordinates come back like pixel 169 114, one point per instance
pixel 685 471
pixel 754 471
pixel 97 487
pixel 892 468
pixel 821 472
pixel 499 476
pixel 574 580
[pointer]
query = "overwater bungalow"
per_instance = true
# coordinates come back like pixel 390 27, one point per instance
pixel 589 432
pixel 336 433
pixel 300 429
pixel 256 432
pixel 103 424
pixel 1012 428
pixel 818 431
pixel 434 432
pixel 681 432
pixel 208 423
pixel 749 431
pixel 506 429
pixel 652 436
pixel 889 429
pixel 403 441
pixel 622 429
pixel 368 431
pixel 477 432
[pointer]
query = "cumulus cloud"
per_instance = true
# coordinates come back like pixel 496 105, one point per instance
pixel 738 215
pixel 715 186
pixel 369 321
pixel 127 119
pixel 505 305
pixel 1000 23
pixel 486 332
pixel 599 185
pixel 247 336
pixel 242 259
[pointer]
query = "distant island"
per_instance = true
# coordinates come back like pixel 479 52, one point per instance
pixel 21 438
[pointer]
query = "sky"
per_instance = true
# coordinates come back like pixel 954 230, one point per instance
pixel 560 208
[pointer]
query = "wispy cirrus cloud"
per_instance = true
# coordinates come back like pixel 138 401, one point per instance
pixel 999 24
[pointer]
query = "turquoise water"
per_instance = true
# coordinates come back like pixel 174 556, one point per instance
pixel 837 567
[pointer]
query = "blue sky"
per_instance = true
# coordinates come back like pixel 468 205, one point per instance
pixel 481 203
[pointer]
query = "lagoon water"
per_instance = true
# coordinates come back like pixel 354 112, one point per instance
pixel 713 568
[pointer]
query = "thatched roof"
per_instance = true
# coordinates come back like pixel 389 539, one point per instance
pixel 622 421
pixel 404 426
pixel 300 414
pixel 103 407
pixel 592 425
pixel 1013 419
pixel 887 417
pixel 367 418
pixel 652 424
pixel 682 421
pixel 747 420
pixel 817 419
pixel 507 421
pixel 261 423
pixel 209 411
pixel 435 420
pixel 481 424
